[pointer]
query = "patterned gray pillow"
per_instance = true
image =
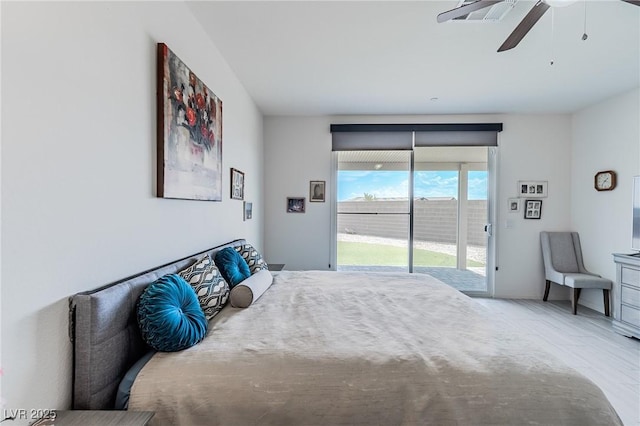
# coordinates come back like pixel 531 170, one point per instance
pixel 252 257
pixel 205 279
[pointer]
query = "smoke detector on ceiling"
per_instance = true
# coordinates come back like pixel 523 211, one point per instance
pixel 489 14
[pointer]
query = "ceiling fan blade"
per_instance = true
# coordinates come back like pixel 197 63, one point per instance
pixel 636 2
pixel 524 26
pixel 466 9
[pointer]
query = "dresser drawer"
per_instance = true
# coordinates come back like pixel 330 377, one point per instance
pixel 630 276
pixel 630 296
pixel 630 315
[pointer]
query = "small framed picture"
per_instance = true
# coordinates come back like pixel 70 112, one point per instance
pixel 248 210
pixel 533 209
pixel 295 204
pixel 237 185
pixel 316 191
pixel 532 188
pixel 514 205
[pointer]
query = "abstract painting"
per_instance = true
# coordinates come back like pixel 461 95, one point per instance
pixel 189 120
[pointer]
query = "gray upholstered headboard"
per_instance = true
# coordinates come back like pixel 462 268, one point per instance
pixel 104 331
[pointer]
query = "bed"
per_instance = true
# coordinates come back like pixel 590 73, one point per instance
pixel 330 348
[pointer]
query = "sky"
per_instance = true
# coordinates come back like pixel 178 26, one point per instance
pixel 395 184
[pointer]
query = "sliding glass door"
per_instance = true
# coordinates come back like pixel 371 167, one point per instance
pixel 450 214
pixel 420 211
pixel 373 210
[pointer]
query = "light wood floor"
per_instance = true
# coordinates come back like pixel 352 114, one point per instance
pixel 586 342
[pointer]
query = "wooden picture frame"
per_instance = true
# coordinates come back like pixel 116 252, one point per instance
pixel 295 204
pixel 188 133
pixel 533 209
pixel 532 188
pixel 237 184
pixel 317 190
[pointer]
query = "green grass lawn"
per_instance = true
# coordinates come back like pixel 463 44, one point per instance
pixel 383 255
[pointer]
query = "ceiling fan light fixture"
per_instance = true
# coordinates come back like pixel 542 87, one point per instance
pixel 467 8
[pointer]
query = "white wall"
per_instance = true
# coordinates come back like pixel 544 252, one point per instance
pixel 78 170
pixel 606 136
pixel 297 149
pixel 299 152
pixel 531 148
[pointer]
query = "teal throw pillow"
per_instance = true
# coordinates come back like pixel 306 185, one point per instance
pixel 232 266
pixel 169 315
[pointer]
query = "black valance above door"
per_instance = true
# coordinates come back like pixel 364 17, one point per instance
pixel 356 137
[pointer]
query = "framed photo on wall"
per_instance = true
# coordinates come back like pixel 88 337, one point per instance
pixel 317 191
pixel 248 210
pixel 295 204
pixel 514 205
pixel 237 185
pixel 533 209
pixel 532 188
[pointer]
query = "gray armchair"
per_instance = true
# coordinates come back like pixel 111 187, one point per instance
pixel 562 256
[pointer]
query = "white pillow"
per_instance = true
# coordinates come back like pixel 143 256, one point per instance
pixel 249 290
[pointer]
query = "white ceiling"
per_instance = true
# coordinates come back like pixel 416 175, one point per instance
pixel 391 57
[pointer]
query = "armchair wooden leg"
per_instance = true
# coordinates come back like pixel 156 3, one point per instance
pixel 606 302
pixel 574 300
pixel 546 290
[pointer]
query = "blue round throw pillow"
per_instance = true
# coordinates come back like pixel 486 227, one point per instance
pixel 232 266
pixel 169 315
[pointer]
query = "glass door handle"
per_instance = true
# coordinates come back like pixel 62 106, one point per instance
pixel 488 228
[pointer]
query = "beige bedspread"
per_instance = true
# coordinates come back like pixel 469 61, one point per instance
pixel 346 348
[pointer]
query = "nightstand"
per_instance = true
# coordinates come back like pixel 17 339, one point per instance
pixel 276 266
pixel 96 417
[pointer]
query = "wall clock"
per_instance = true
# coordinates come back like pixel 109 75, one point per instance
pixel 605 180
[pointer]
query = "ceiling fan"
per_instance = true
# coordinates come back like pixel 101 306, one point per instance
pixel 525 25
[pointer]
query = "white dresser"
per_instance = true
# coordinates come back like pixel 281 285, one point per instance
pixel 626 311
